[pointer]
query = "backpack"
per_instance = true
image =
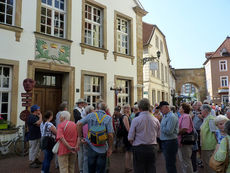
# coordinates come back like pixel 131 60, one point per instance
pixel 121 130
pixel 98 134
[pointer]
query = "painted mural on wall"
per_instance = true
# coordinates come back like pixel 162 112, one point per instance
pixel 49 51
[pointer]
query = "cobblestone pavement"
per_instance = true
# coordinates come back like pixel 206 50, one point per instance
pixel 16 164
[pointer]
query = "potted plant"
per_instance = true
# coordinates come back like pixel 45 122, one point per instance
pixel 3 123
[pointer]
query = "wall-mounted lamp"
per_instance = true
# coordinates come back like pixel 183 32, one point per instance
pixel 115 89
pixel 147 59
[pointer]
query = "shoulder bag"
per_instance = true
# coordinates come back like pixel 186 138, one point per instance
pixel 56 146
pixel 188 138
pixel 220 166
pixel 47 142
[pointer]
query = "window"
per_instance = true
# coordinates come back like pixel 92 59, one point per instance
pixel 158 96
pixel 223 65
pixel 166 74
pixel 5 91
pixel 162 72
pixel 154 96
pixel 157 42
pixel 93 26
pixel 224 81
pixel 123 97
pixel 161 46
pixel 224 98
pixel 92 89
pixel 158 71
pixel 7 11
pixel 123 36
pixel 53 17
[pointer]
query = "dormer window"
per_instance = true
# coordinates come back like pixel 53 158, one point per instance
pixel 224 52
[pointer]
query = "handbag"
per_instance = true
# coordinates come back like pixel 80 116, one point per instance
pixel 220 166
pixel 188 138
pixel 47 142
pixel 56 146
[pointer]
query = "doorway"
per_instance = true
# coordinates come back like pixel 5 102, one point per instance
pixel 48 91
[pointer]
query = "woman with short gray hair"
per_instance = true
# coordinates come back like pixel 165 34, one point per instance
pixel 221 153
pixel 67 137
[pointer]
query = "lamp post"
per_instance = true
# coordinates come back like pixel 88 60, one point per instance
pixel 147 59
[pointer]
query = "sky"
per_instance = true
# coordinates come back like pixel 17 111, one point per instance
pixel 191 27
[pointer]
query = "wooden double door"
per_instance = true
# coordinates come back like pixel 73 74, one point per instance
pixel 47 99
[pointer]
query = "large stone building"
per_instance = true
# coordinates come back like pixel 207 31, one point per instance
pixel 218 73
pixel 156 72
pixel 72 49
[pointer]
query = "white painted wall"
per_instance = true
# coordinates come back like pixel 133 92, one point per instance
pixel 90 61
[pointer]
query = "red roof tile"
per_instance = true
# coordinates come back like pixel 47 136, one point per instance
pixel 148 30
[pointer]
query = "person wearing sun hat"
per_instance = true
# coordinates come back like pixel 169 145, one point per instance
pixel 168 136
pixel 34 121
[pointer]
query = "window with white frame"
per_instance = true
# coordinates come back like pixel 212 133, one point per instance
pixel 5 91
pixel 7 11
pixel 93 26
pixel 223 65
pixel 224 98
pixel 53 17
pixel 123 36
pixel 157 41
pixel 123 97
pixel 224 81
pixel 92 89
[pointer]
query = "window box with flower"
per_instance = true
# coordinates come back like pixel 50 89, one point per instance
pixel 3 123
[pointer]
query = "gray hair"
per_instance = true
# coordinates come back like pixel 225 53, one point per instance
pixel 206 107
pixel 220 118
pixel 102 106
pixel 65 115
pixel 144 104
pixel 89 109
pixel 227 127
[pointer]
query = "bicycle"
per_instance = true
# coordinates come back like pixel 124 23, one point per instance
pixel 21 146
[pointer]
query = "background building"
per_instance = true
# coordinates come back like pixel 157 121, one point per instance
pixel 156 73
pixel 217 73
pixel 72 49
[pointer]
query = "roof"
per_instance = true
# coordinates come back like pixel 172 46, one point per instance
pixel 148 31
pixel 222 51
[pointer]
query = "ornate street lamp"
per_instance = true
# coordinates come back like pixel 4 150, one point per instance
pixel 147 59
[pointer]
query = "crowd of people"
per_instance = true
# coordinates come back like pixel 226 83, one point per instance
pixel 193 132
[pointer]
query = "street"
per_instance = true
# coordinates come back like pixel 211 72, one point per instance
pixel 16 164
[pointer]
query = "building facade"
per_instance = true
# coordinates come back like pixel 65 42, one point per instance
pixel 72 49
pixel 156 72
pixel 218 73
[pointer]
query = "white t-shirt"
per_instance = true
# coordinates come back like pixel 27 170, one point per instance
pixel 45 129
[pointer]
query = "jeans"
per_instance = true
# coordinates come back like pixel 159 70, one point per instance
pixel 96 161
pixel 80 156
pixel 85 154
pixel 144 158
pixel 170 148
pixel 48 155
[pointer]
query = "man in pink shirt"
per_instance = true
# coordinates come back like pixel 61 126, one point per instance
pixel 142 134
